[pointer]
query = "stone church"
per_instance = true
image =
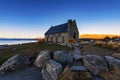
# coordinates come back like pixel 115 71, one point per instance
pixel 62 33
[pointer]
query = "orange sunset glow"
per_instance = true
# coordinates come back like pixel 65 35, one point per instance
pixel 97 36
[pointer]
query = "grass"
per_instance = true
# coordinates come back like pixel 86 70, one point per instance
pixel 109 45
pixel 95 50
pixel 116 55
pixel 29 49
pixel 112 74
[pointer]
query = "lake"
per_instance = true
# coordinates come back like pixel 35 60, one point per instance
pixel 11 42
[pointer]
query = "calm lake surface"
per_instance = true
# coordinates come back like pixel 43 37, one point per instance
pixel 11 42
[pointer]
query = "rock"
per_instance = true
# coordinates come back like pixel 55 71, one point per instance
pixel 77 56
pixel 78 68
pixel 63 57
pixel 77 63
pixel 54 68
pixel 95 64
pixel 113 62
pixel 14 63
pixel 46 75
pixel 79 73
pixel 97 78
pixel 42 58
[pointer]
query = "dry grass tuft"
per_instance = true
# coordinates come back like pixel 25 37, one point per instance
pixel 116 55
pixel 109 45
pixel 113 74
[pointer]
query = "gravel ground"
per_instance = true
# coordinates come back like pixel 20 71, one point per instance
pixel 29 73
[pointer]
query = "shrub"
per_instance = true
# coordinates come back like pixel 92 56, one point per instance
pixel 71 41
pixel 41 40
pixel 116 55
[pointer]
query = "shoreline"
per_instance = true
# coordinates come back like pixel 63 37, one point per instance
pixel 3 47
pixel 15 42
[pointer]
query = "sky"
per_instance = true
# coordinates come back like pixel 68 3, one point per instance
pixel 32 18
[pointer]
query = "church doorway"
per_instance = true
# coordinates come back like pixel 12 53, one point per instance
pixel 62 39
pixel 74 35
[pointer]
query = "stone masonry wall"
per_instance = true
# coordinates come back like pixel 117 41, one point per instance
pixel 57 38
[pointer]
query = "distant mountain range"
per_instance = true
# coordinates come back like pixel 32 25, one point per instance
pixel 18 39
pixel 97 36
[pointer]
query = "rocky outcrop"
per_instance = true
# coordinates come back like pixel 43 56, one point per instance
pixel 95 64
pixel 61 65
pixel 46 75
pixel 75 66
pixel 63 57
pixel 54 68
pixel 14 63
pixel 112 62
pixel 42 58
pixel 75 73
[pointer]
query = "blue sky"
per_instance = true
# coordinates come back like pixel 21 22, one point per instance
pixel 32 18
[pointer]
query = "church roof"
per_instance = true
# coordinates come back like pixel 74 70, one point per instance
pixel 58 29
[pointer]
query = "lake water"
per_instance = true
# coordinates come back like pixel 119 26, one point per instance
pixel 11 42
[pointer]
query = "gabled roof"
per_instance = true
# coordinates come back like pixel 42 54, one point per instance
pixel 58 29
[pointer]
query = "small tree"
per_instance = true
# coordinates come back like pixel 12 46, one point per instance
pixel 71 41
pixel 106 39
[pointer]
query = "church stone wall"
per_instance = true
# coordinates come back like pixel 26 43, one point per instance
pixel 73 30
pixel 57 38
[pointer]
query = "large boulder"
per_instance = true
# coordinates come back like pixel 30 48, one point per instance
pixel 54 68
pixel 95 64
pixel 14 63
pixel 78 68
pixel 46 75
pixel 63 57
pixel 113 62
pixel 75 73
pixel 42 58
